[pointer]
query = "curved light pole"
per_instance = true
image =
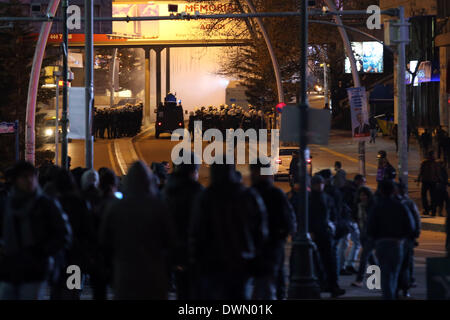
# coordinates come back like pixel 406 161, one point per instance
pixel 30 137
pixel 356 80
pixel 273 57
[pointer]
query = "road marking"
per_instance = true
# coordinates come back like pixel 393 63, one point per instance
pixel 431 251
pixel 119 158
pixel 112 158
pixel 352 159
pixel 345 156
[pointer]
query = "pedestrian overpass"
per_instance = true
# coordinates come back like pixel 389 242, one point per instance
pixel 161 35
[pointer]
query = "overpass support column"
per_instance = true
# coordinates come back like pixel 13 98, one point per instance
pixel 167 70
pixel 147 114
pixel 158 75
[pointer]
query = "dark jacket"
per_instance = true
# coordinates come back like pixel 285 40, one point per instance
pixel 320 211
pixel 389 218
pixel 138 234
pixel 228 229
pixel 179 195
pixel 33 228
pixel 82 223
pixel 281 222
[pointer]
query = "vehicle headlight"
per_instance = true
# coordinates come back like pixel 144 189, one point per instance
pixel 48 132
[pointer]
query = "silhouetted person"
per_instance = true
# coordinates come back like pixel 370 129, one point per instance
pixel 390 224
pixel 83 236
pixel 227 236
pixel 33 228
pixel 282 223
pixel 138 234
pixel 179 193
pixel 429 175
pixel 323 232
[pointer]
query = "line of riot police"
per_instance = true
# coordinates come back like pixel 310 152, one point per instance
pixel 227 117
pixel 118 122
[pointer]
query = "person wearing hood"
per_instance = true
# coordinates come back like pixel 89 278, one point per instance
pixel 282 222
pixel 227 235
pixel 90 181
pixel 179 194
pixel 137 234
pixel 33 229
pixel 82 223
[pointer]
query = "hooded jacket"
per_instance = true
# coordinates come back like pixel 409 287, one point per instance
pixel 137 233
pixel 229 226
pixel 33 229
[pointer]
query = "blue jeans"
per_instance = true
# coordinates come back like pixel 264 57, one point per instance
pixel 390 256
pixel 368 245
pixel 350 260
pixel 23 291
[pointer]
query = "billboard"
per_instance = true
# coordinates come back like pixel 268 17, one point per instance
pixel 368 56
pixel 167 30
pixel 359 113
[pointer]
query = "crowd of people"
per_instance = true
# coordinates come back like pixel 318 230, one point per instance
pixel 383 226
pixel 156 233
pixel 118 122
pixel 227 117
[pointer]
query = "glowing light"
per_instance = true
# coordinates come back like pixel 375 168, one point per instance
pixel 48 132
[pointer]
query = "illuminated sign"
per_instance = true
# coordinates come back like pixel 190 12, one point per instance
pixel 368 56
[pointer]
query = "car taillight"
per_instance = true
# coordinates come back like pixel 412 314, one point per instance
pixel 278 161
pixel 159 123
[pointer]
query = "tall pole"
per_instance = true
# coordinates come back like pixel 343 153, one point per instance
pixel 89 80
pixel 325 83
pixel 356 81
pixel 303 282
pixel 57 118
pixel 273 57
pixel 147 114
pixel 401 87
pixel 167 70
pixel 113 77
pixel 64 121
pixel 158 76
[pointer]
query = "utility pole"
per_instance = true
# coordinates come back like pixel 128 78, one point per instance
pixel 64 121
pixel 303 282
pixel 401 89
pixel 89 81
pixel 325 84
pixel 112 71
pixel 57 75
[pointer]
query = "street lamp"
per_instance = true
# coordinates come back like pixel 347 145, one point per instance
pixel 303 283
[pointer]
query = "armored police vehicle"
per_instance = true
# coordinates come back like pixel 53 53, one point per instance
pixel 169 116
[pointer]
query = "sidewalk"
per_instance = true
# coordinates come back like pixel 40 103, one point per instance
pixel 343 148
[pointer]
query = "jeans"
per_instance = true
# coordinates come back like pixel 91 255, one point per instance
pixel 350 260
pixel 327 259
pixel 390 254
pixel 368 245
pixel 23 291
pixel 373 134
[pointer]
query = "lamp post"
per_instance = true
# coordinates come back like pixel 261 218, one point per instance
pixel 303 283
pixel 64 121
pixel 57 75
